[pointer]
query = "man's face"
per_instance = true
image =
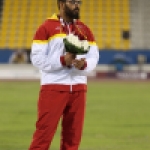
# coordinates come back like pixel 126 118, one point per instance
pixel 72 9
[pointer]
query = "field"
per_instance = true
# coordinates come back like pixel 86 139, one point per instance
pixel 117 116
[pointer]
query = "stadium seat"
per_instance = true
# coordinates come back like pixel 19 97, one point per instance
pixel 106 18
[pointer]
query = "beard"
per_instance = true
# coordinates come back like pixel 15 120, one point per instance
pixel 72 14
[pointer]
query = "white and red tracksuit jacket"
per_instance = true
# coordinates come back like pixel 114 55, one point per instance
pixel 48 50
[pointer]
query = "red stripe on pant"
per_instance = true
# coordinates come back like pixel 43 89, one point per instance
pixel 53 105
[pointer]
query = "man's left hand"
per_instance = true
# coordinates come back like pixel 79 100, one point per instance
pixel 79 63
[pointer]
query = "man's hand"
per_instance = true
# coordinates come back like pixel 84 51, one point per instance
pixel 69 58
pixel 79 63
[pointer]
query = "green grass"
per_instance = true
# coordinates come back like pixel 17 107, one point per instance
pixel 117 116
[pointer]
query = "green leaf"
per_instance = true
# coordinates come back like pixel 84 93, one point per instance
pixel 73 49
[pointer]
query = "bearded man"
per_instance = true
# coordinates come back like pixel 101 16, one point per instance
pixel 63 77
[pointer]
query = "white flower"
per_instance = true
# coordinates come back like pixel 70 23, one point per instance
pixel 73 39
pixel 77 43
pixel 70 38
pixel 85 44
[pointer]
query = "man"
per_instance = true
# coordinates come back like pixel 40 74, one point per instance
pixel 18 57
pixel 63 77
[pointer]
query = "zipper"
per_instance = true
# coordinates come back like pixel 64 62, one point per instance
pixel 68 28
pixel 70 84
pixel 71 88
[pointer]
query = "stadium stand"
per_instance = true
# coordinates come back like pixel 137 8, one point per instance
pixel 140 21
pixel 111 21
pixel 1 8
pixel 121 29
pixel 21 21
pixel 108 19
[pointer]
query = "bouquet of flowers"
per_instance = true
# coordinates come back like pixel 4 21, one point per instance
pixel 74 45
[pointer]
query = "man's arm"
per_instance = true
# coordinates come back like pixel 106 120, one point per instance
pixel 86 65
pixel 40 57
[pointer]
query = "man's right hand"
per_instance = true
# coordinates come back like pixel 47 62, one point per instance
pixel 69 57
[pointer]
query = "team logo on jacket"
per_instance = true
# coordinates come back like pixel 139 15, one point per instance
pixel 58 28
pixel 79 26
